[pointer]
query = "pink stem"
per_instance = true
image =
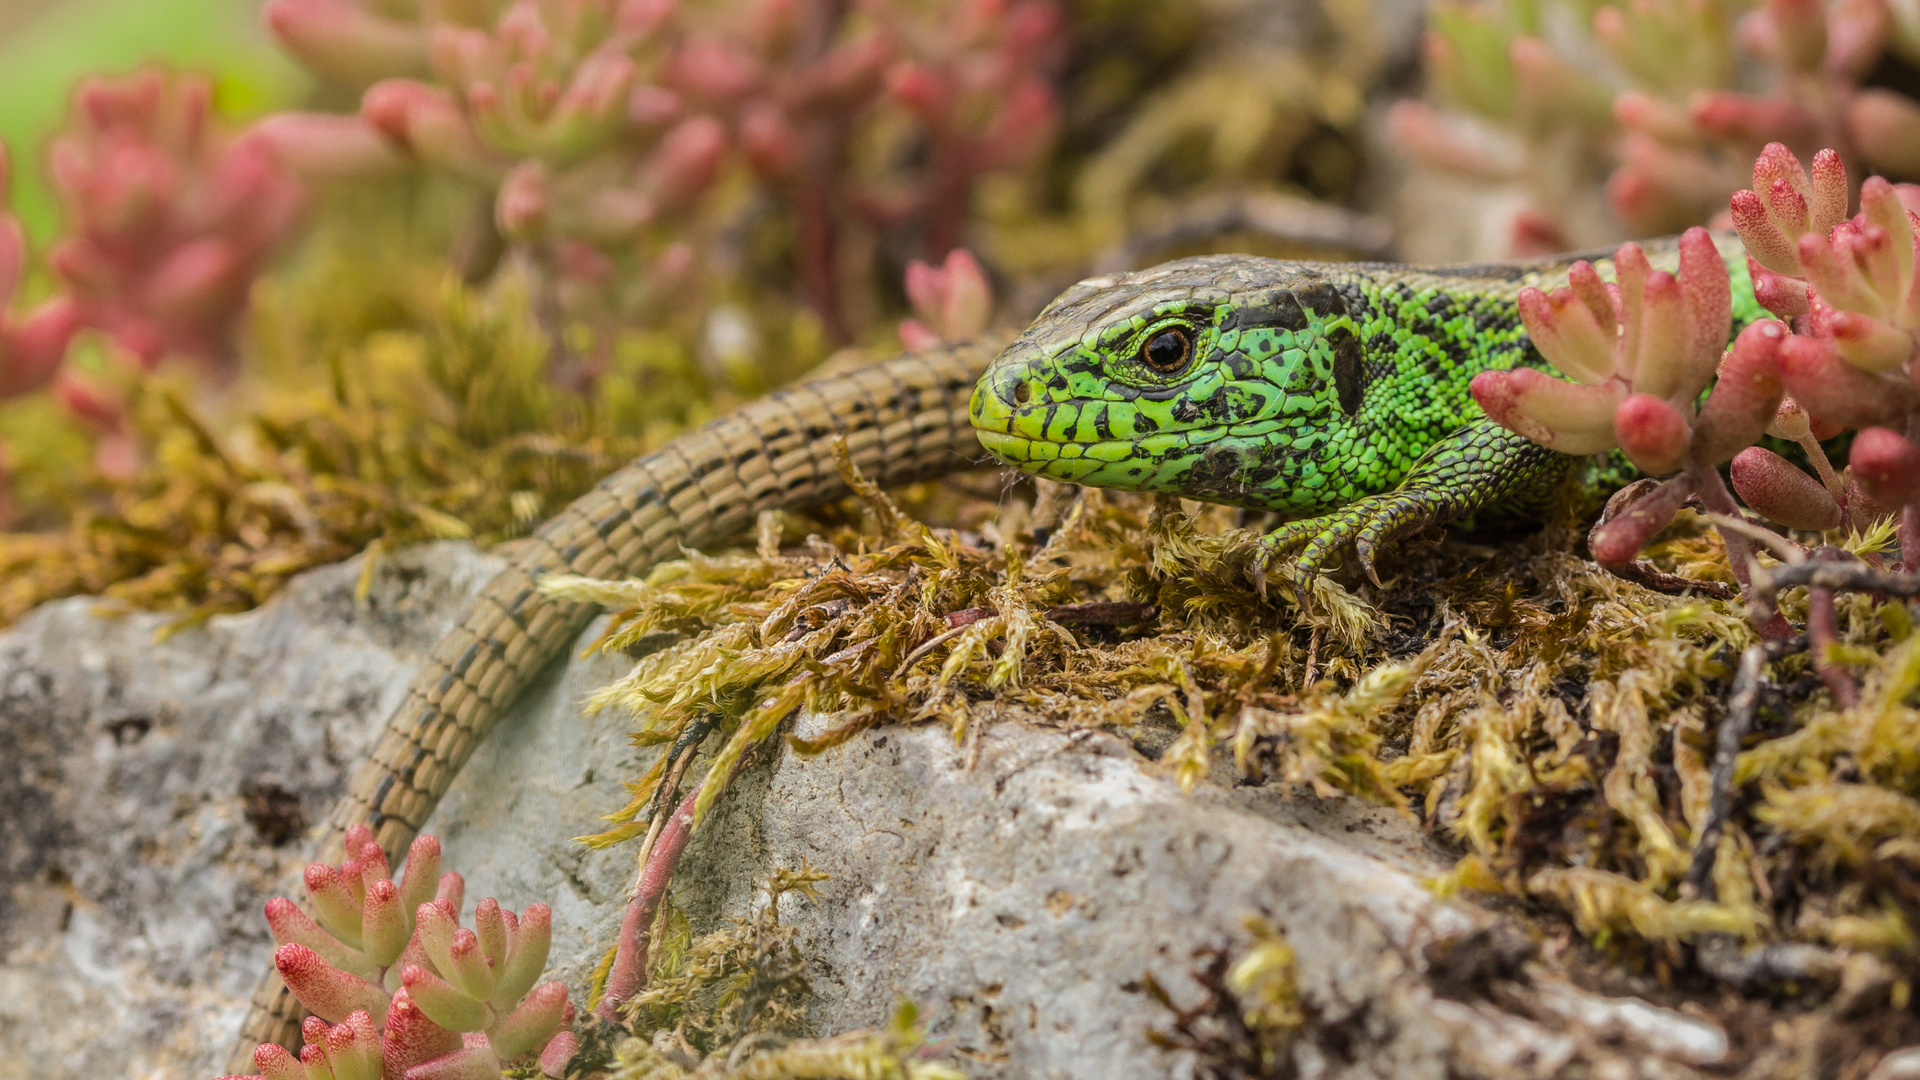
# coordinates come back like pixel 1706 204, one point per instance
pixel 949 193
pixel 629 973
pixel 1822 635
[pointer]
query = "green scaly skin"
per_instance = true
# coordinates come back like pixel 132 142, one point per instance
pixel 1335 394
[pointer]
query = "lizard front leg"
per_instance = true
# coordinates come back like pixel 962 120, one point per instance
pixel 1480 467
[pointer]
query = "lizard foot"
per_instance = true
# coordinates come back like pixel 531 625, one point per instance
pixel 1366 524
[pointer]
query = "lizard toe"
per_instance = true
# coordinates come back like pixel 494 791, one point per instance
pixel 1267 564
pixel 1364 525
pixel 1385 522
pixel 1363 552
pixel 1321 551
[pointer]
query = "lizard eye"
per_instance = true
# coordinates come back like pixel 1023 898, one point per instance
pixel 1168 351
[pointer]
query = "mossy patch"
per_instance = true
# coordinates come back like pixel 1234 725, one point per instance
pixel 1549 722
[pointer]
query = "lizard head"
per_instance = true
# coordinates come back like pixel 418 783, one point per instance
pixel 1209 377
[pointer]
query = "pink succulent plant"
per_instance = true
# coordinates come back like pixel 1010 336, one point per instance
pixel 345 42
pixel 1702 88
pixel 399 989
pixel 1852 289
pixel 168 222
pixel 605 122
pixel 1847 350
pixel 1641 349
pixel 553 103
pixel 953 301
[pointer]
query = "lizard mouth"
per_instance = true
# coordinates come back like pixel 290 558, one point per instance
pixel 1054 460
pixel 1012 420
pixel 998 410
pixel 1015 432
pixel 1012 449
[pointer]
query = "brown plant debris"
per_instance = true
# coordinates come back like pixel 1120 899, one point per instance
pixel 1249 1012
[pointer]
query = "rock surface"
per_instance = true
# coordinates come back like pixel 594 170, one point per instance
pixel 1019 898
pixel 131 877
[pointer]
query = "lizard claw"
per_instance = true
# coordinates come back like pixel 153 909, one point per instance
pixel 1273 547
pixel 1363 551
pixel 1365 525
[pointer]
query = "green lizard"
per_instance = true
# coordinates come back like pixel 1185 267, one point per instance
pixel 1335 394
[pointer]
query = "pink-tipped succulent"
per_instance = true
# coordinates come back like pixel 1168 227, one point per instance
pixel 349 43
pixel 1783 494
pixel 554 104
pixel 399 989
pixel 953 301
pixel 551 80
pixel 550 106
pixel 33 343
pixel 1852 289
pixel 167 221
pixel 557 113
pixel 1816 55
pixel 1685 102
pixel 1848 289
pixel 1641 349
pixel 596 127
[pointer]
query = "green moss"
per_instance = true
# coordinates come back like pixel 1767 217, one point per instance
pixel 1550 721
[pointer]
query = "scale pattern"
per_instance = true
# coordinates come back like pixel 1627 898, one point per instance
pixel 1333 394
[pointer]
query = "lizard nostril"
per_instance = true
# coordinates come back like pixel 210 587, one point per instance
pixel 1021 393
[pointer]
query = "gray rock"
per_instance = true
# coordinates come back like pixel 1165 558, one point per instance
pixel 131 879
pixel 1019 900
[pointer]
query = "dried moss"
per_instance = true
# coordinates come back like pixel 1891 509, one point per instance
pixel 1552 721
pixel 890 1054
pixel 745 979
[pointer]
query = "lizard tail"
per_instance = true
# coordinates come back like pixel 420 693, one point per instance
pixel 903 420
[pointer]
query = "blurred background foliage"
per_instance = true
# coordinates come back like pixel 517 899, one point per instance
pixel 46 46
pixel 290 279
